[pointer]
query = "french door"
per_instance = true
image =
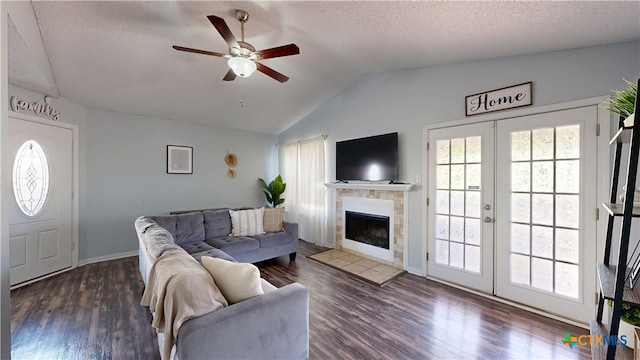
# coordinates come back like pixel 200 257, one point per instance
pixel 536 213
pixel 461 186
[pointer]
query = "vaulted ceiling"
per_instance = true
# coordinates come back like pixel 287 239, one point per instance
pixel 118 55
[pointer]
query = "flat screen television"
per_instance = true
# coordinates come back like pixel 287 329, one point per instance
pixel 373 158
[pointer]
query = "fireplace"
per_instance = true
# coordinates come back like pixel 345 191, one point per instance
pixel 367 228
pixel 378 199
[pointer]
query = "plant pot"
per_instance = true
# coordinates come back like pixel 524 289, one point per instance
pixel 628 330
pixel 628 122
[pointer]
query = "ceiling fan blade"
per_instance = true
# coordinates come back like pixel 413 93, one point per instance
pixel 271 73
pixel 182 48
pixel 230 76
pixel 284 50
pixel 224 30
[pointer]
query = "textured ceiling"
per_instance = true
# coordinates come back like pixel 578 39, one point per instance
pixel 118 56
pixel 23 71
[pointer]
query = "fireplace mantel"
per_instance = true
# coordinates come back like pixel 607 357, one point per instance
pixel 370 186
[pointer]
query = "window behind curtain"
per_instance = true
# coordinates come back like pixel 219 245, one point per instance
pixel 302 168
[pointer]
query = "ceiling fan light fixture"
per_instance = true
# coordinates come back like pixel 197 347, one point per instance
pixel 242 58
pixel 242 66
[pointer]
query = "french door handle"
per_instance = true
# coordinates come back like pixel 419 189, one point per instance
pixel 487 219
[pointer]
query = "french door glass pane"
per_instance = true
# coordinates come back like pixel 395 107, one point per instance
pixel 520 238
pixel 442 201
pixel 458 203
pixel 545 209
pixel 521 146
pixel 521 177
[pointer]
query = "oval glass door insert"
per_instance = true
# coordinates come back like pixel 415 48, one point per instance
pixel 31 178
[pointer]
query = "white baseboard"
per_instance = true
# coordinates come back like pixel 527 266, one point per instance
pixel 414 271
pixel 512 303
pixel 80 263
pixel 107 258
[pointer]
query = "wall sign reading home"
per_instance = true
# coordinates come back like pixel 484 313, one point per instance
pixel 499 99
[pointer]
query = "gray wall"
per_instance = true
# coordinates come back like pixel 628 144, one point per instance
pixel 126 173
pixel 123 175
pixel 405 101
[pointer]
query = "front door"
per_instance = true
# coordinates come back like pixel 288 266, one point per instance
pixel 40 217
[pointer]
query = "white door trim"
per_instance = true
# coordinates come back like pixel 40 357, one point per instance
pixel 75 204
pixel 604 161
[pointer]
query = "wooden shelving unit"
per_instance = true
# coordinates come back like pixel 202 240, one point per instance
pixel 607 279
pixel 612 278
pixel 599 351
pixel 618 209
pixel 623 135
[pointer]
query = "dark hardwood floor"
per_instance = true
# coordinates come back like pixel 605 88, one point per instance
pixel 93 312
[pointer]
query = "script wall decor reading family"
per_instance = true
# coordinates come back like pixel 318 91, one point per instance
pixel 499 99
pixel 38 108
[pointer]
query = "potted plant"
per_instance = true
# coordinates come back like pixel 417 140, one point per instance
pixel 623 102
pixel 629 321
pixel 273 191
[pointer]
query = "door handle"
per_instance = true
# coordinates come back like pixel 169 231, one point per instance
pixel 487 219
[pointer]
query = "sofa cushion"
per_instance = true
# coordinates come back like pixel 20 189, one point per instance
pixel 272 219
pixel 196 247
pixel 217 223
pixel 184 227
pixel 234 244
pixel 246 222
pixel 273 239
pixel 237 281
pixel 267 287
pixel 214 253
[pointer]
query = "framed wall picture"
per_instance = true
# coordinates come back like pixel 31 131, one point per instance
pixel 179 159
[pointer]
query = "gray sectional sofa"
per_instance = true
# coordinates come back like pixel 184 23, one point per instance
pixel 270 326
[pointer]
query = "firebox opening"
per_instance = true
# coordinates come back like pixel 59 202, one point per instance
pixel 367 228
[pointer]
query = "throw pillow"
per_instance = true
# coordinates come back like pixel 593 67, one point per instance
pixel 247 222
pixel 273 218
pixel 237 281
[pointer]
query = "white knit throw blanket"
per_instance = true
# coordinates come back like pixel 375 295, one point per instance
pixel 179 289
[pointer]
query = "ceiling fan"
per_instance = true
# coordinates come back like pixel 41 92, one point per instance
pixel 243 57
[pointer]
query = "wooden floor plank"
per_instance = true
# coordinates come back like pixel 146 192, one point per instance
pixel 93 312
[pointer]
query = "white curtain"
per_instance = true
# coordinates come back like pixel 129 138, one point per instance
pixel 289 172
pixel 302 168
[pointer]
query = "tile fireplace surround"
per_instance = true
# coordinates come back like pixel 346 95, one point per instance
pixel 395 193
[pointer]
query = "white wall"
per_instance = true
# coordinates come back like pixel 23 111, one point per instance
pixel 405 101
pixel 5 299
